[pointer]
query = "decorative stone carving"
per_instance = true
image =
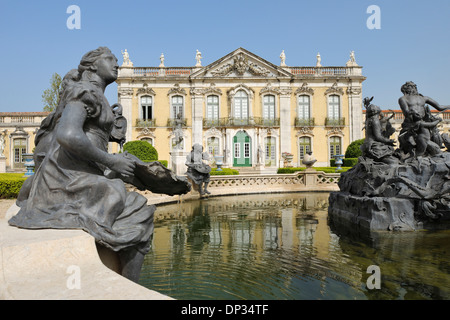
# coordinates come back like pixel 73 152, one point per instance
pixel 335 131
pixel 354 91
pixel 302 131
pixel 305 89
pixel 145 90
pixel 161 58
pixel 222 70
pixel 240 65
pixel 176 90
pixel 212 90
pixel 246 88
pixel 269 89
pixel 125 92
pixel 334 89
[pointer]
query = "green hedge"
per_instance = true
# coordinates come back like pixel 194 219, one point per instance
pixel 10 184
pixel 224 172
pixel 141 149
pixel 163 162
pixel 346 162
pixel 324 169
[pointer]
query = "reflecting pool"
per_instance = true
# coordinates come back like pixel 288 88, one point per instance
pixel 283 246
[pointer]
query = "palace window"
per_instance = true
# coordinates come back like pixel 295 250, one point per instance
pixel 304 146
pixel 334 107
pixel 20 147
pixel 213 145
pixel 303 107
pixel 146 108
pixel 149 140
pixel 212 107
pixel 241 105
pixel 177 106
pixel 335 146
pixel 270 151
pixel 269 107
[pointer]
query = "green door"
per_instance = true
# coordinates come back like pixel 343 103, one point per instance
pixel 20 147
pixel 242 146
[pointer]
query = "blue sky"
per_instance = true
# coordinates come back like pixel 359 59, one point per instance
pixel 412 44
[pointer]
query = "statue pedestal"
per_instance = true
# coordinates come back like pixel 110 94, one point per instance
pixel 2 164
pixel 178 160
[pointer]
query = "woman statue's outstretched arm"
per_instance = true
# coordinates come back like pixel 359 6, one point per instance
pixel 70 136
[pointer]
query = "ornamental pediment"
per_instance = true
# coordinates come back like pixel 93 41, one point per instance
pixel 241 64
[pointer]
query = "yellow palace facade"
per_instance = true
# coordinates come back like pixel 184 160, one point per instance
pixel 244 108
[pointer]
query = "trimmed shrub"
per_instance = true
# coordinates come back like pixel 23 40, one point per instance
pixel 354 149
pixel 10 184
pixel 165 163
pixel 141 149
pixel 224 172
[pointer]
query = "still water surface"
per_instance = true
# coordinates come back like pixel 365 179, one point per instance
pixel 283 246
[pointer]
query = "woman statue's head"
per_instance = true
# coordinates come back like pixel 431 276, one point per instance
pixel 100 61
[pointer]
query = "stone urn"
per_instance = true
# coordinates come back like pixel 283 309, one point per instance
pixel 29 163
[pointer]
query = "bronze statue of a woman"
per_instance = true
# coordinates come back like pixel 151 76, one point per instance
pixel 77 183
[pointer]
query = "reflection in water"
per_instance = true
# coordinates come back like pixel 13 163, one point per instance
pixel 282 246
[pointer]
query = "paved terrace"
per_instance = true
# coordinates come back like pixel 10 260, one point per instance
pixel 43 264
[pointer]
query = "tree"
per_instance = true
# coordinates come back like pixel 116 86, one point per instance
pixel 141 149
pixel 50 97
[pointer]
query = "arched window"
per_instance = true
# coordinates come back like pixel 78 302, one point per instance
pixel 146 108
pixel 149 140
pixel 304 146
pixel 213 146
pixel 335 146
pixel 241 105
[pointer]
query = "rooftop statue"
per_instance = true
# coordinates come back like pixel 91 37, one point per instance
pixel 198 171
pixel 79 185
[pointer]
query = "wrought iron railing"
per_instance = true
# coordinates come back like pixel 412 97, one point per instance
pixel 301 122
pixel 171 122
pixel 141 123
pixel 335 122
pixel 239 122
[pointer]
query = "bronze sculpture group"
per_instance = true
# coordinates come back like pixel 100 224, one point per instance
pixel 403 188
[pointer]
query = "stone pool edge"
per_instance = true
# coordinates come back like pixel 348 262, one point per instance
pixel 44 264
